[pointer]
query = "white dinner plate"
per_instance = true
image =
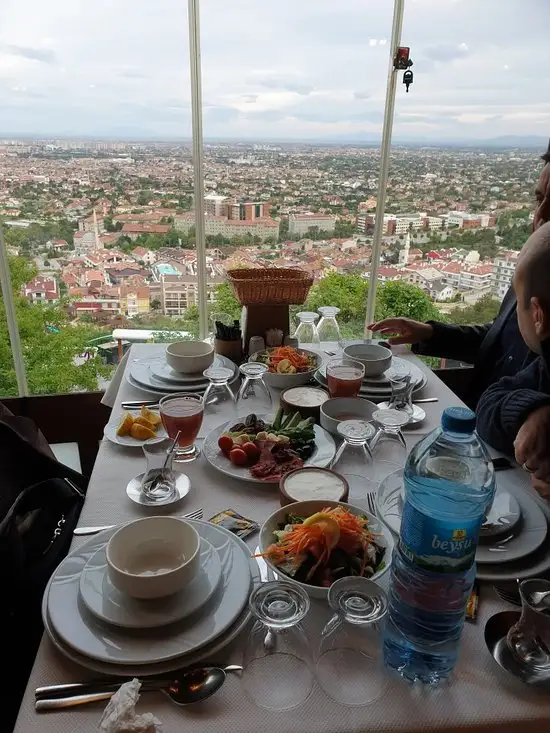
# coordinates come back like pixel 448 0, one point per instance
pixel 517 550
pixel 208 652
pixel 79 629
pixel 110 605
pixel 162 371
pixel 141 374
pixel 109 431
pixel 321 458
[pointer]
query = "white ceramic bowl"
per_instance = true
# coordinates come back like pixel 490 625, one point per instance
pixel 153 557
pixel 282 381
pixel 306 509
pixel 376 359
pixel 338 409
pixel 189 357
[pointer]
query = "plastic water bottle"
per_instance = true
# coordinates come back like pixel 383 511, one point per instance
pixel 449 485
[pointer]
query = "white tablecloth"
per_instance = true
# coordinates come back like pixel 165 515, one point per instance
pixel 480 696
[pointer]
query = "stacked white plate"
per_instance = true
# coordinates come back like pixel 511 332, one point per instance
pixel 155 375
pixel 98 627
pixel 519 550
pixel 378 388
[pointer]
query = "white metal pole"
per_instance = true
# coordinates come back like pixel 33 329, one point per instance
pixel 198 166
pixel 398 10
pixel 11 318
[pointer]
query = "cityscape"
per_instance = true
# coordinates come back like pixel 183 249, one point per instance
pixel 108 227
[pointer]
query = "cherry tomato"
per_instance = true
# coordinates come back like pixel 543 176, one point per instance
pixel 225 444
pixel 238 457
pixel 252 451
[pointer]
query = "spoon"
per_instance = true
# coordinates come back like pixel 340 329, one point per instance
pixel 189 686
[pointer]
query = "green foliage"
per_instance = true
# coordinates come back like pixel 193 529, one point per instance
pixel 484 311
pixel 144 197
pixel 225 301
pixel 344 228
pixel 514 233
pixel 402 299
pixel 347 292
pixel 51 345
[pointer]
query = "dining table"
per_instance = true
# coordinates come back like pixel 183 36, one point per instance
pixel 480 696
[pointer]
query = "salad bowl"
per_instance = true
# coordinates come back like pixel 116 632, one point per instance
pixel 308 363
pixel 306 509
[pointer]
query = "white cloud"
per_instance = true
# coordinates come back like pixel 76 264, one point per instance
pixel 311 69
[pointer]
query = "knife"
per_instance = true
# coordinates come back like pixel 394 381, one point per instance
pixel 136 404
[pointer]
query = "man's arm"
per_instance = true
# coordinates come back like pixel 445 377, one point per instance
pixel 453 342
pixel 504 406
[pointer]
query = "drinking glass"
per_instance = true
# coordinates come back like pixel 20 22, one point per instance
pixel 158 484
pixel 254 395
pixel 278 671
pixel 349 661
pixel 402 387
pixel 183 413
pixel 388 447
pixel 529 638
pixel 353 459
pixel 344 377
pixel 306 333
pixel 328 328
pixel 219 398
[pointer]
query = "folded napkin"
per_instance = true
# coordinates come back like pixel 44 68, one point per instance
pixel 120 714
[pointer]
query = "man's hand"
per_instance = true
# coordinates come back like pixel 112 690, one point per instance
pixel 532 444
pixel 407 330
pixel 542 487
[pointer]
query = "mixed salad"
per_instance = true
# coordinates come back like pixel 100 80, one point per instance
pixel 326 546
pixel 269 449
pixel 287 360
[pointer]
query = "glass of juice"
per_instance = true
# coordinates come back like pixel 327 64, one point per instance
pixel 183 412
pixel 344 377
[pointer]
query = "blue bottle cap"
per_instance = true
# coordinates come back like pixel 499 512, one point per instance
pixel 458 420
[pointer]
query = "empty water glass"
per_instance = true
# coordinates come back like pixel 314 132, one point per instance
pixel 388 447
pixel 254 395
pixel 277 664
pixel 159 480
pixel 529 638
pixel 349 662
pixel 402 386
pixel 353 459
pixel 328 328
pixel 306 333
pixel 219 398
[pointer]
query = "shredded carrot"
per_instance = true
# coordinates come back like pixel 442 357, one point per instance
pixel 301 362
pixel 311 539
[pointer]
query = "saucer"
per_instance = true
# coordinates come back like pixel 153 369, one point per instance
pixel 496 631
pixel 110 605
pixel 417 416
pixel 134 491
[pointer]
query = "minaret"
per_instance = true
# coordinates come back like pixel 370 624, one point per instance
pixel 404 253
pixel 98 243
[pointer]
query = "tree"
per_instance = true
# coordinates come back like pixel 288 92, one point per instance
pixel 144 197
pixel 396 298
pixel 57 358
pixel 484 311
pixel 344 228
pixel 226 302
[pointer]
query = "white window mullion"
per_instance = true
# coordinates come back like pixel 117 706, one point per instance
pixel 11 318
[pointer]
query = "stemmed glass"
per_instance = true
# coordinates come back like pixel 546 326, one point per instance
pixel 349 661
pixel 389 450
pixel 328 328
pixel 219 398
pixel 254 394
pixel 353 459
pixel 278 671
pixel 306 333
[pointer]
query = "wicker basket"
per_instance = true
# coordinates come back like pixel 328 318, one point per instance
pixel 270 286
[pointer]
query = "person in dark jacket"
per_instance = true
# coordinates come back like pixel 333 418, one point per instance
pixel 513 415
pixel 495 349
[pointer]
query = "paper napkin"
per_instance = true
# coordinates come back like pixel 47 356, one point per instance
pixel 120 714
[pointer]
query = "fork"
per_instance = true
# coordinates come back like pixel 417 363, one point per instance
pixel 84 531
pixel 508 594
pixel 371 502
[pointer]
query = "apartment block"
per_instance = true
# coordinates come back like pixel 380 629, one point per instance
pixel 299 224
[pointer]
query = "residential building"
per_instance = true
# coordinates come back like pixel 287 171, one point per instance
pixel 41 290
pixel 299 224
pixel 133 231
pixel 476 278
pixel 92 223
pixel 385 273
pixel 245 211
pixel 177 293
pixel 146 256
pixel 134 300
pixel 439 290
pixel 57 245
pixel 214 204
pixel 213 225
pixel 86 242
pixel 504 266
pixel 463 220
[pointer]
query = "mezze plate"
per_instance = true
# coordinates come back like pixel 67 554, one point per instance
pixel 321 458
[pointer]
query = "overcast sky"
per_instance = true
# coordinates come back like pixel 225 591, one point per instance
pixel 273 69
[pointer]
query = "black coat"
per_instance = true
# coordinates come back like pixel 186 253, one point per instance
pixel 503 407
pixel 486 347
